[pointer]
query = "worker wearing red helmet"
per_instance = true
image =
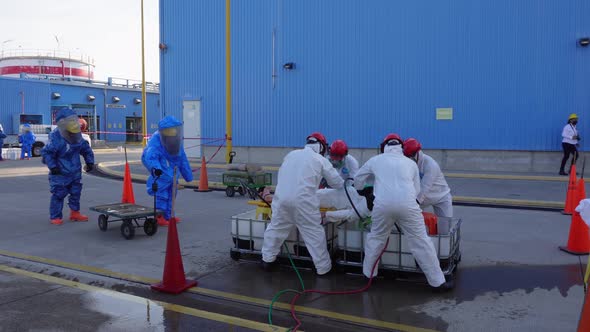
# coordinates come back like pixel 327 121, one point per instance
pixel 397 184
pixel 434 190
pixel 83 124
pixel 343 162
pixel 296 203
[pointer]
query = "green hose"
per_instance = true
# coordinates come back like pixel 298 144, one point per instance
pixel 276 297
pixel 294 267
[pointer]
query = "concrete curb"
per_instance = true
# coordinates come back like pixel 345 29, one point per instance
pixel 104 167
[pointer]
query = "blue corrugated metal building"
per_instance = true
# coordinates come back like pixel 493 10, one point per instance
pixel 116 107
pixel 503 74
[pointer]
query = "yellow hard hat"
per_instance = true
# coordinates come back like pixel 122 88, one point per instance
pixel 572 116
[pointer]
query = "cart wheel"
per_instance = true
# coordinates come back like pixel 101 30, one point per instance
pixel 150 227
pixel 127 230
pixel 241 191
pixel 235 255
pixel 103 222
pixel 230 191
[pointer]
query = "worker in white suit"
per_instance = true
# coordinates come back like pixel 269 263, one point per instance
pixel 397 184
pixel 296 204
pixel 434 190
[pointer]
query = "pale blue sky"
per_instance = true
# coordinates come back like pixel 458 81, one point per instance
pixel 107 30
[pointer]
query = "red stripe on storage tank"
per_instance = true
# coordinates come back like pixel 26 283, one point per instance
pixel 45 70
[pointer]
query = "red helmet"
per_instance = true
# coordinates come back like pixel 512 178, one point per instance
pixel 388 138
pixel 411 147
pixel 318 137
pixel 83 124
pixel 338 150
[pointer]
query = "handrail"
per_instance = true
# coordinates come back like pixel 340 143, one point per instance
pixel 75 56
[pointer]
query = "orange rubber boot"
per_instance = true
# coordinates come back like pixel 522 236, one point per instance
pixel 56 221
pixel 77 216
pixel 162 221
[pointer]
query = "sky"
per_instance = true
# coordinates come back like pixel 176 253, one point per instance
pixel 107 30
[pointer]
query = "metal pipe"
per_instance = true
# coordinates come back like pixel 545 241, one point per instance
pixel 95 124
pixel 228 95
pixel 274 73
pixel 22 101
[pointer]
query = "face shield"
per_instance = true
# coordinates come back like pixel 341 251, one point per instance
pixel 69 128
pixel 171 139
pixel 25 130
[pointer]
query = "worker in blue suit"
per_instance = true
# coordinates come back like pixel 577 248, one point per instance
pixel 27 138
pixel 162 154
pixel 62 157
pixel 2 137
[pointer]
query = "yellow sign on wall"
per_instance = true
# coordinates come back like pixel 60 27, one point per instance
pixel 444 114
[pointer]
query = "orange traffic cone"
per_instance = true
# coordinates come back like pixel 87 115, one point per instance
pixel 203 179
pixel 584 324
pixel 571 192
pixel 173 280
pixel 128 196
pixel 579 237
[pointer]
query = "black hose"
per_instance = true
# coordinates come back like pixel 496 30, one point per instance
pixel 256 191
pixel 350 200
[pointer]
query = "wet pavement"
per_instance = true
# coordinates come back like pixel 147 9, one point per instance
pixel 32 304
pixel 512 276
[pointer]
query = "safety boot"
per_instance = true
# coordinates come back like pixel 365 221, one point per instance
pixel 270 267
pixel 56 221
pixel 77 216
pixel 445 287
pixel 162 221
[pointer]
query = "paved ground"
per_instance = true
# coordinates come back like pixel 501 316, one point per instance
pixel 512 276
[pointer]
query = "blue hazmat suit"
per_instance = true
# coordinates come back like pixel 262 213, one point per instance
pixel 63 160
pixel 27 139
pixel 2 137
pixel 156 156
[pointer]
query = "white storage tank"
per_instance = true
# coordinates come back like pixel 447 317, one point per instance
pixel 56 64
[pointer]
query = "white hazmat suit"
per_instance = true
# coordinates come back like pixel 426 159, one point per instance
pixel 296 204
pixel 349 167
pixel 434 190
pixel 337 199
pixel 397 184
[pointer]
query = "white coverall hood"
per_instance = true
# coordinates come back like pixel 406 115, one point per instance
pixel 315 147
pixel 393 149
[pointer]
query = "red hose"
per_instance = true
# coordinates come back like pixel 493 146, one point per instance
pixel 348 292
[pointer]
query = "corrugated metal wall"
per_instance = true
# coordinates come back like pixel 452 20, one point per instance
pixel 38 101
pixel 511 70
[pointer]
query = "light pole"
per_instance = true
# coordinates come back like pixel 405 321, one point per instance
pixel 228 95
pixel 143 99
pixel 4 43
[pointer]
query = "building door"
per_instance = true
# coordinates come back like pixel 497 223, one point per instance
pixel 191 115
pixel 133 129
